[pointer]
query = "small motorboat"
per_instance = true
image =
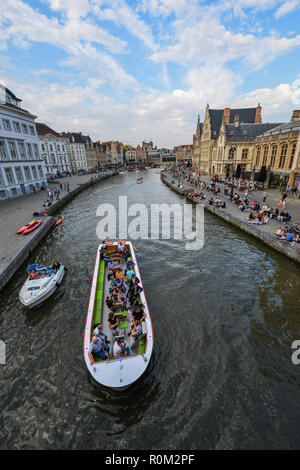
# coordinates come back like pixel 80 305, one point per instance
pixel 118 372
pixel 140 180
pixel 21 230
pixel 32 227
pixel 59 220
pixel 36 291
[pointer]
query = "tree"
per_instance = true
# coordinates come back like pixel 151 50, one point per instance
pixel 238 171
pixel 262 174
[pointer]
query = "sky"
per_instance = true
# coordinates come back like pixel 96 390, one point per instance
pixel 143 70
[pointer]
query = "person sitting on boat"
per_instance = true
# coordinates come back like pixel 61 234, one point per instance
pixel 129 274
pixel 109 301
pixel 136 330
pixel 111 265
pixel 113 324
pixel 55 266
pixel 135 292
pixel 130 263
pixel 44 274
pixel 111 275
pixel 96 349
pixel 138 313
pixel 34 275
pixel 98 331
pixel 120 348
pixel 121 247
pixel 29 269
pixel 126 253
pixel 117 296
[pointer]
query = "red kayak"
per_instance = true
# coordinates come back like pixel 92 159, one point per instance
pixel 21 230
pixel 59 221
pixel 32 227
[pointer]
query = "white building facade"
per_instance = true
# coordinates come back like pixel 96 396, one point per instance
pixel 53 150
pixel 76 149
pixel 21 165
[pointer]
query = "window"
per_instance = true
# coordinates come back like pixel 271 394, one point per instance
pixel 17 127
pixel 25 128
pixel 58 148
pixel 293 151
pixel 266 150
pixel 245 154
pixel 2 194
pixel 1 179
pixel 257 156
pixel 19 174
pixel 12 149
pixel 31 130
pixel 6 125
pixel 283 155
pixel 273 155
pixel 14 191
pixel 36 151
pixel 3 155
pixel 9 176
pixel 27 173
pixel 40 170
pixel 43 147
pixel 63 148
pixel 51 148
pixel 22 150
pixel 29 151
pixel 33 169
pixel 53 159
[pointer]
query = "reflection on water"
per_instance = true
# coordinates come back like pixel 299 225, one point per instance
pixel 224 320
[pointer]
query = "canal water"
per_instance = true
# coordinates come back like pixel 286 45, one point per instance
pixel 224 320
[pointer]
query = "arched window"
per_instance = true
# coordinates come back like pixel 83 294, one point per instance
pixel 283 155
pixel 273 155
pixel 257 156
pixel 266 150
pixel 293 151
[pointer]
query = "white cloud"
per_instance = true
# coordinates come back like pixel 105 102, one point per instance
pixel 287 7
pixel 121 14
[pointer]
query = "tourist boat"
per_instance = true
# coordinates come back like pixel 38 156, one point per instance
pixel 140 180
pixel 32 227
pixel 59 221
pixel 21 230
pixel 36 291
pixel 116 373
pixel 122 172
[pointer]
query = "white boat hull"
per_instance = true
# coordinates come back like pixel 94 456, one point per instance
pixel 117 374
pixel 35 292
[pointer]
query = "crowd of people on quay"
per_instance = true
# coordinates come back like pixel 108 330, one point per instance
pixel 239 192
pixel 124 291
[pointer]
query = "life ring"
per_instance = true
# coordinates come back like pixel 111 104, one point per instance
pixel 121 241
pixel 109 243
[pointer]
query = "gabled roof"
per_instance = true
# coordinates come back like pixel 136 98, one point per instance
pixel 43 129
pixel 77 137
pixel 248 131
pixel 246 115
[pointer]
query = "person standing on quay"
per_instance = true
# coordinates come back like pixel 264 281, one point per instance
pixel 265 196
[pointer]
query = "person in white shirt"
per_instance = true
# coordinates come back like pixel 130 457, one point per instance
pixel 120 348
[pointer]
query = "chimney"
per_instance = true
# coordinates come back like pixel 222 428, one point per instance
pixel 227 115
pixel 296 115
pixel 236 120
pixel 258 114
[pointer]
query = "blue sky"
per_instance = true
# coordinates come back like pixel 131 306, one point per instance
pixel 133 70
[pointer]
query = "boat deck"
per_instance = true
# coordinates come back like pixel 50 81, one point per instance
pixel 123 311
